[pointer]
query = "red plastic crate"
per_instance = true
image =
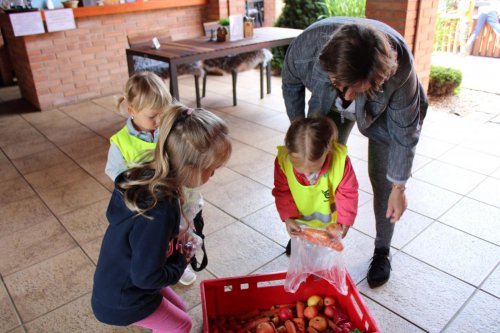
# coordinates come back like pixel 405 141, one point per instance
pixel 233 296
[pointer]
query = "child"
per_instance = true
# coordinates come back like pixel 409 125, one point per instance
pixel 140 256
pixel 146 98
pixel 314 182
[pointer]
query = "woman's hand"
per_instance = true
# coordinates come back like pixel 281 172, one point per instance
pixel 397 204
pixel 292 227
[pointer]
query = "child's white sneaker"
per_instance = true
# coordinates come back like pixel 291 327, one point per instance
pixel 188 277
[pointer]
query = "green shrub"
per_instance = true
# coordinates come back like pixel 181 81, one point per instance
pixel 299 14
pixel 296 14
pixel 444 81
pixel 353 8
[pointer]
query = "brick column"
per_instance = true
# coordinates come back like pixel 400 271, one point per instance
pixel 415 21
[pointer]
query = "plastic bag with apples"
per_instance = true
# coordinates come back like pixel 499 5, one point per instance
pixel 323 261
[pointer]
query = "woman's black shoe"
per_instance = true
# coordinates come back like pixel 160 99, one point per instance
pixel 380 268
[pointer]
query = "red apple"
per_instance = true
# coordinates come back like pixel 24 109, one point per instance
pixel 285 314
pixel 315 300
pixel 329 311
pixel 311 312
pixel 318 323
pixel 328 300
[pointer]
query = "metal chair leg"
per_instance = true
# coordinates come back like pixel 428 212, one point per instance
pixel 268 77
pixel 197 89
pixel 234 74
pixel 261 70
pixel 204 84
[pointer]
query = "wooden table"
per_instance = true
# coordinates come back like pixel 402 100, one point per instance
pixel 190 50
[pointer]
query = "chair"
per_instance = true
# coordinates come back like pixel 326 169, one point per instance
pixel 239 63
pixel 160 68
pixel 255 9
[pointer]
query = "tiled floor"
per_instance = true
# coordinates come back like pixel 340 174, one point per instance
pixel 446 249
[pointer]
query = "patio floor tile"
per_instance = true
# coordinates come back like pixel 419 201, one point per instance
pixel 233 250
pixel 408 293
pixel 8 315
pixel 488 192
pixel 476 218
pixel 406 229
pixel 449 177
pixel 59 280
pixel 32 245
pixel 75 316
pixel 489 321
pixel 455 252
pixel 492 283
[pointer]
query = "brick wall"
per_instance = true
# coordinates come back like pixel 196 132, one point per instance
pixel 74 65
pixel 65 67
pixel 415 20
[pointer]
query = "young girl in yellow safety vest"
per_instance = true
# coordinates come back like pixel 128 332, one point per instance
pixel 145 100
pixel 314 182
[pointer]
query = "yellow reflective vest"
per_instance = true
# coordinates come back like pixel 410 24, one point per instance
pixel 316 203
pixel 133 149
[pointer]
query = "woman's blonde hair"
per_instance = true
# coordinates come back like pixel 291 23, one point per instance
pixel 310 138
pixel 190 142
pixel 145 90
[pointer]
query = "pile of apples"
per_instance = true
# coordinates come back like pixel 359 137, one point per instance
pixel 316 315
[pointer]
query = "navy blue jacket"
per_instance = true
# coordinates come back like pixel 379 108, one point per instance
pixel 133 264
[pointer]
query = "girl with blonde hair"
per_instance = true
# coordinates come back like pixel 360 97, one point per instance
pixel 141 255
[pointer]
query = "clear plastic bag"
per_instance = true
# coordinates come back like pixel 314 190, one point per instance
pixel 307 258
pixel 189 243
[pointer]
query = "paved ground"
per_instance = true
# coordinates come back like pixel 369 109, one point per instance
pixel 446 249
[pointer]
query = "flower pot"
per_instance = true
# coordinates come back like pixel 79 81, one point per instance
pixel 222 34
pixel 70 4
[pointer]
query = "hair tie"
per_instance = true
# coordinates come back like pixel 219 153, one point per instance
pixel 189 111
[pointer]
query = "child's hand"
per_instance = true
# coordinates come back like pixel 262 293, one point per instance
pixel 292 227
pixel 338 230
pixel 345 229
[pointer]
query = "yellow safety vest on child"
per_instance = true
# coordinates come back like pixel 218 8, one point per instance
pixel 132 148
pixel 316 203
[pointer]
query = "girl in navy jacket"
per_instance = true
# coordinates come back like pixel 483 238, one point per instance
pixel 140 256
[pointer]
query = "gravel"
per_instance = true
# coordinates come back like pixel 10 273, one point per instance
pixel 467 102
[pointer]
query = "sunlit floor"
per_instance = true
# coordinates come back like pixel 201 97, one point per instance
pixel 446 249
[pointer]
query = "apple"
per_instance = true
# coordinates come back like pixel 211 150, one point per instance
pixel 265 327
pixel 329 311
pixel 319 323
pixel 285 314
pixel 328 300
pixel 311 312
pixel 315 300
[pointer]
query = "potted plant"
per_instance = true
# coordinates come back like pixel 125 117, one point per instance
pixel 223 30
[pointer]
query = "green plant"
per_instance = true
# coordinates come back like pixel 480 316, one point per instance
pixel 353 8
pixel 224 21
pixel 296 14
pixel 444 81
pixel 299 14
